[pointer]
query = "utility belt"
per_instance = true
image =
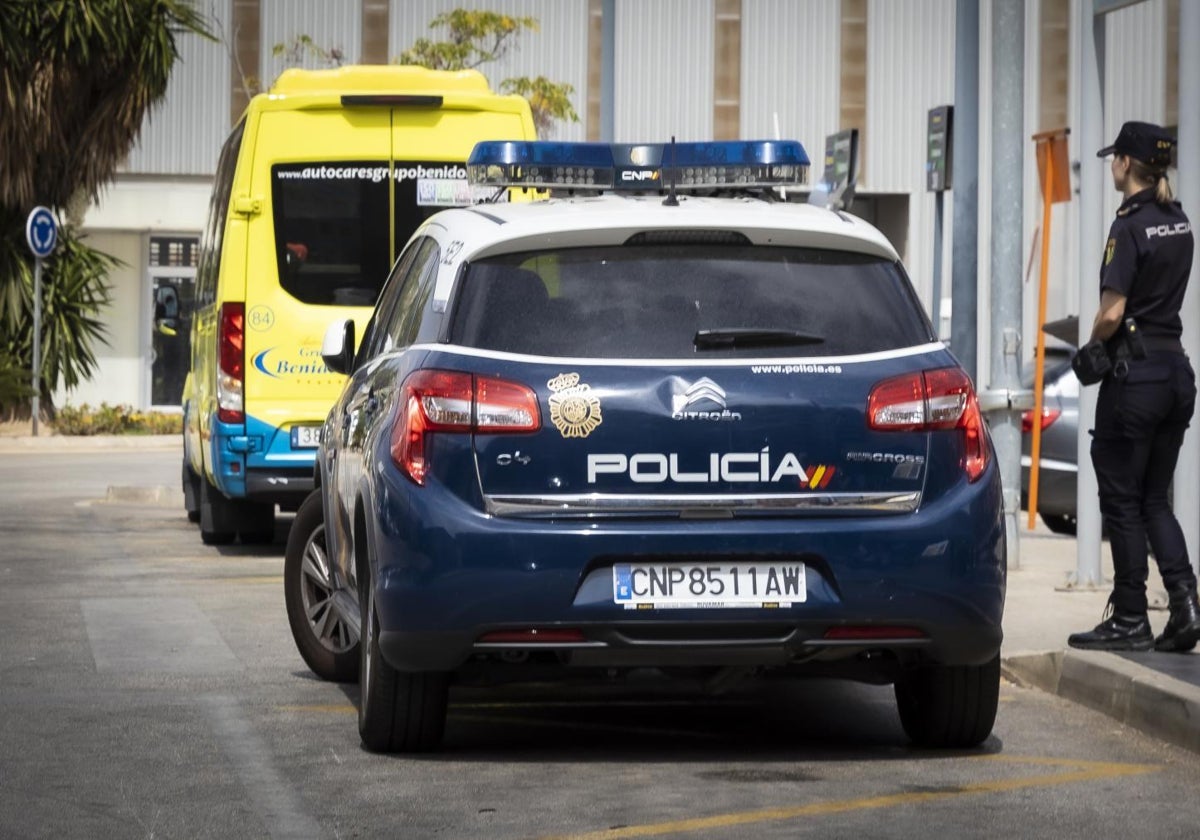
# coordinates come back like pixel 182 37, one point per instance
pixel 1097 359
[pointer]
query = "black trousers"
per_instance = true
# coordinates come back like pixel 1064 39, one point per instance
pixel 1140 422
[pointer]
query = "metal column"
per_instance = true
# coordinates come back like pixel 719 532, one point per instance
pixel 964 269
pixel 1090 218
pixel 1002 399
pixel 1187 473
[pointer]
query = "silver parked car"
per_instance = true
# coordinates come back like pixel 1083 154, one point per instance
pixel 1059 451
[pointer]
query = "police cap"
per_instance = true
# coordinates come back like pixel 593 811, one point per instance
pixel 1142 141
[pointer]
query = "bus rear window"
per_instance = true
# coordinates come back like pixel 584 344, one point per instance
pixel 335 233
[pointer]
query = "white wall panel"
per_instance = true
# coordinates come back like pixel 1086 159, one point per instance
pixel 183 133
pixel 791 63
pixel 331 24
pixel 664 70
pixel 558 50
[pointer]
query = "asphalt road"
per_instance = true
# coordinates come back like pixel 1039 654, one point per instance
pixel 149 688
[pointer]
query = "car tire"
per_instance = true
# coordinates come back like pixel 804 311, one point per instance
pixel 211 498
pixel 191 492
pixel 1060 523
pixel 398 711
pixel 326 643
pixel 949 705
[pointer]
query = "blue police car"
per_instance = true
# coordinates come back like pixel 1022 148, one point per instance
pixel 662 418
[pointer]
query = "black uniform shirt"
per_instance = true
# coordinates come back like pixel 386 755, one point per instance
pixel 1148 259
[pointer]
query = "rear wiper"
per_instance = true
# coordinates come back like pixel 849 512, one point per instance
pixel 743 337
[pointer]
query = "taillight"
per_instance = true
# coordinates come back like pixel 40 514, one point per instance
pixel 930 400
pixel 1049 415
pixel 452 401
pixel 231 376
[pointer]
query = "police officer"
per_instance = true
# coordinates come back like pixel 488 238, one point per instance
pixel 1146 399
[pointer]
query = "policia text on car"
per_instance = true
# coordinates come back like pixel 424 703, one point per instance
pixel 1147 395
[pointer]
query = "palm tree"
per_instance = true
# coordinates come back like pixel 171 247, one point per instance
pixel 76 80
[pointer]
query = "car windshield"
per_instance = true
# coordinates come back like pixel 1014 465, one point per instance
pixel 674 301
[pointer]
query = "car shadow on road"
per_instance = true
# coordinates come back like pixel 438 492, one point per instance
pixel 768 722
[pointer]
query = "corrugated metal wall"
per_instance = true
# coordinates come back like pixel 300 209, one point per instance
pixel 183 134
pixel 910 69
pixel 1135 82
pixel 557 51
pixel 664 70
pixel 790 67
pixel 331 24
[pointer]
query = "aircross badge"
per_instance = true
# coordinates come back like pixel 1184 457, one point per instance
pixel 574 410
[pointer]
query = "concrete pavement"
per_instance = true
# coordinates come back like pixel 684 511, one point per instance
pixel 1157 693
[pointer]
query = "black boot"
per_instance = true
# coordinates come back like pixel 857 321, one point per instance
pixel 1120 631
pixel 1183 629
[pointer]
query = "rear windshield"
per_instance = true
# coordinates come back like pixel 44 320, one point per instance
pixel 335 232
pixel 668 301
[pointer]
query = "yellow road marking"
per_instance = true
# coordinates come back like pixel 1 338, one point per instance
pixel 1086 771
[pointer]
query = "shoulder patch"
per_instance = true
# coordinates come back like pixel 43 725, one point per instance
pixel 1109 250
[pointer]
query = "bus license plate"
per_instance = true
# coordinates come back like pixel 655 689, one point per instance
pixel 640 586
pixel 306 437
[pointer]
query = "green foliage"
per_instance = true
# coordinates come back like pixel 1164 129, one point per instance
pixel 303 46
pixel 549 101
pixel 475 38
pixel 115 420
pixel 76 80
pixel 16 383
pixel 74 291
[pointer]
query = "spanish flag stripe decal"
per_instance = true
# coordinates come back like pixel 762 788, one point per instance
pixel 829 471
pixel 815 481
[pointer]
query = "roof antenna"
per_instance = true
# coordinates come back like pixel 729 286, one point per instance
pixel 671 200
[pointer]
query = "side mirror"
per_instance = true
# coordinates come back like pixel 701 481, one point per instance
pixel 166 309
pixel 337 350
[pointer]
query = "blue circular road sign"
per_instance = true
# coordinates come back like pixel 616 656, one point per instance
pixel 41 232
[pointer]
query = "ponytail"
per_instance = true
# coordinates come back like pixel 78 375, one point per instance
pixel 1152 175
pixel 1162 190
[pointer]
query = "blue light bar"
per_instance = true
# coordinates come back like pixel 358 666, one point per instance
pixel 729 165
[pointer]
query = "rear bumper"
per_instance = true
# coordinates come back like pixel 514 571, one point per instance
pixel 446 575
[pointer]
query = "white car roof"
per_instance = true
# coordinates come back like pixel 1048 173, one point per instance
pixel 484 230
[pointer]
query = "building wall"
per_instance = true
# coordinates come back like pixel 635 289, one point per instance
pixel 790 73
pixel 557 50
pixel 121 365
pixel 790 58
pixel 184 131
pixel 330 25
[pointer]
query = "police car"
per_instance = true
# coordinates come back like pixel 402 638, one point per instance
pixel 661 419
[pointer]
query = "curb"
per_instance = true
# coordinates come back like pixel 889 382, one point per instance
pixel 53 444
pixel 157 496
pixel 1140 697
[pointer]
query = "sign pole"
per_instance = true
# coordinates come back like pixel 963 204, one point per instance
pixel 1049 146
pixel 41 234
pixel 37 341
